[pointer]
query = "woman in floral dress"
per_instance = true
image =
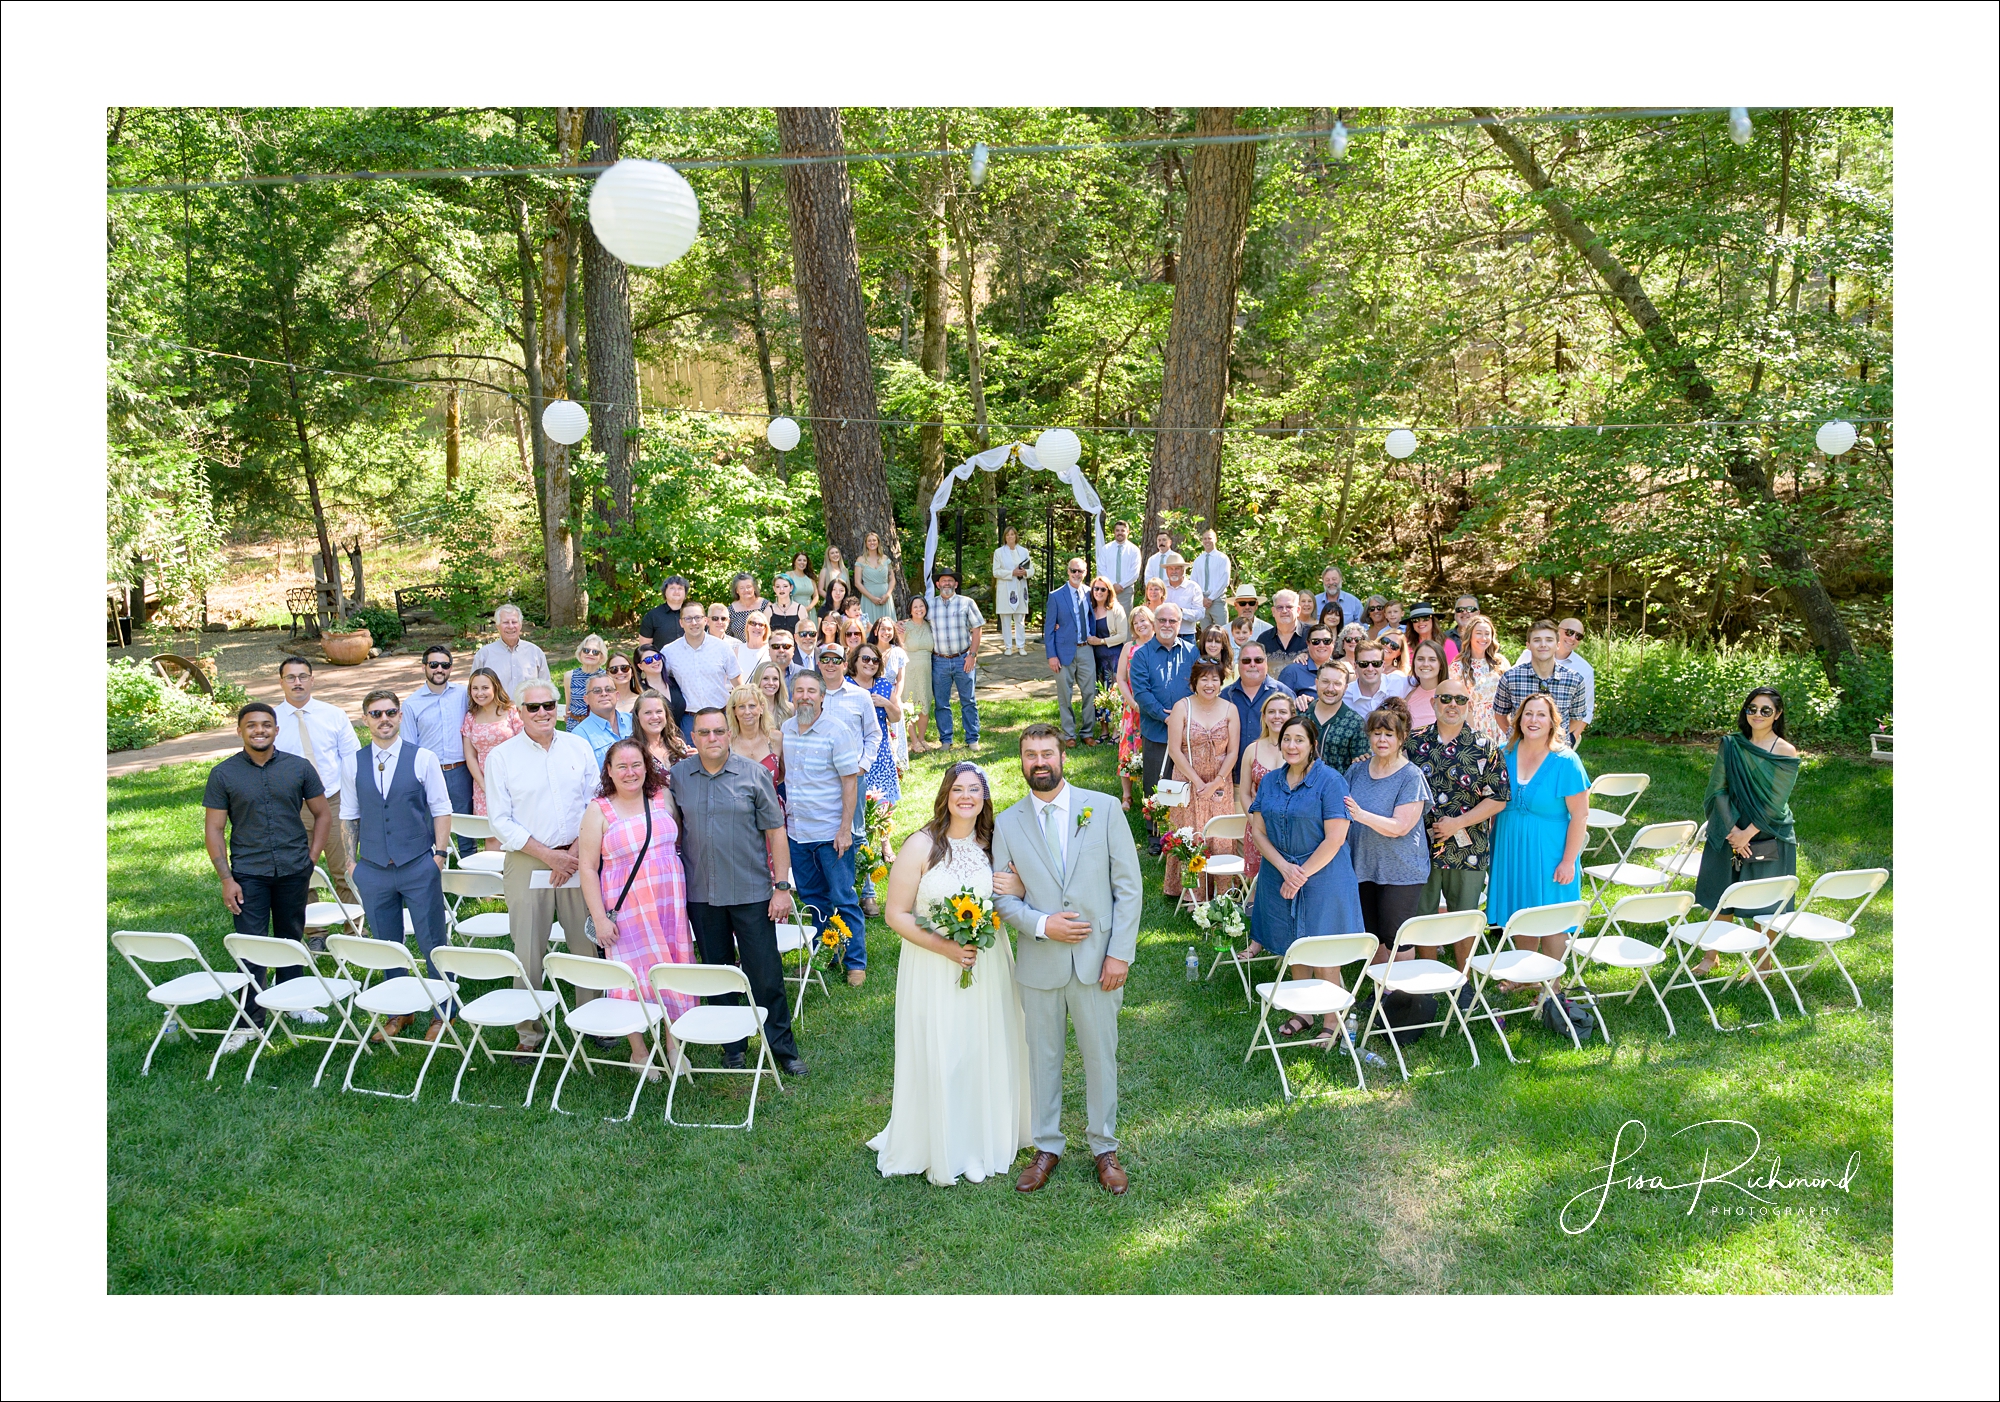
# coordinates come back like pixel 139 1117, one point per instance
pixel 490 718
pixel 1481 664
pixel 1202 743
pixel 1140 626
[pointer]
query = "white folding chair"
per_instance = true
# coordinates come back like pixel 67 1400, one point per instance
pixel 1727 937
pixel 1309 997
pixel 1668 838
pixel 1855 884
pixel 603 1017
pixel 1226 866
pixel 715 1025
pixel 390 998
pixel 1420 976
pixel 801 937
pixel 1515 965
pixel 312 991
pixel 1612 947
pixel 332 913
pixel 1685 865
pixel 1604 823
pixel 477 829
pixel 503 1007
pixel 204 985
pixel 462 885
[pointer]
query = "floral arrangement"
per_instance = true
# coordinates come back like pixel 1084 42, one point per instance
pixel 965 918
pixel 1223 918
pixel 1110 713
pixel 1187 845
pixel 836 934
pixel 873 857
pixel 1134 766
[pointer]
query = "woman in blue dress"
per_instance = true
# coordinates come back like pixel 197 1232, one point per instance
pixel 864 665
pixel 1538 837
pixel 1306 885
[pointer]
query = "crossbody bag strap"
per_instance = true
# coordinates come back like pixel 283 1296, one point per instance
pixel 638 861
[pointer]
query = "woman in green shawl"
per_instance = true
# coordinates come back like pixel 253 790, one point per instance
pixel 1748 806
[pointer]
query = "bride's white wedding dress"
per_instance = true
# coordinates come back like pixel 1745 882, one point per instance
pixel 961 1093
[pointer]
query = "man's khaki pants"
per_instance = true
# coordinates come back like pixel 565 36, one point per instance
pixel 335 854
pixel 529 915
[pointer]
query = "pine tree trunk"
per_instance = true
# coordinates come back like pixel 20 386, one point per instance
pixel 930 439
pixel 1783 545
pixel 840 373
pixel 614 373
pixel 1194 387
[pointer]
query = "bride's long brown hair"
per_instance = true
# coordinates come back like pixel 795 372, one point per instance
pixel 939 827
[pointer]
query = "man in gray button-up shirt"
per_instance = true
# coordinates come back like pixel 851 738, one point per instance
pixel 732 842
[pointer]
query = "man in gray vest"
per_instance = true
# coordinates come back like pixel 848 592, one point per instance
pixel 396 814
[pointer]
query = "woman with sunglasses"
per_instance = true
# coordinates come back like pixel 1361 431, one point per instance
pixel 649 675
pixel 1351 638
pixel 1421 627
pixel 753 734
pixel 864 669
pixel 1394 657
pixel 1748 806
pixel 1375 615
pixel 756 643
pixel 896 667
pixel 1108 628
pixel 590 657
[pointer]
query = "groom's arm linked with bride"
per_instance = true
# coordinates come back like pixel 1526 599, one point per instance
pixel 1083 921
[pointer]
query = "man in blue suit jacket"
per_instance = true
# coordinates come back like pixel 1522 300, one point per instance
pixel 1160 678
pixel 1066 639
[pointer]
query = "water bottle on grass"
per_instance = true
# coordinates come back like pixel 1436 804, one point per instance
pixel 1193 966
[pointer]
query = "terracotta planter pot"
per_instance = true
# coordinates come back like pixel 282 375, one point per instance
pixel 347 649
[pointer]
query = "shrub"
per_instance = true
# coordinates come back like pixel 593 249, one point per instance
pixel 141 709
pixel 383 624
pixel 1671 689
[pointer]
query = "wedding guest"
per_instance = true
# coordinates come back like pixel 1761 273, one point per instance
pixel 1203 740
pixel 1748 807
pixel 1248 693
pixel 653 727
pixel 628 852
pixel 1332 592
pixel 662 623
pixel 787 614
pixel 805 584
pixel 1184 594
pixel 1140 627
pixel 784 651
pixel 1394 662
pixel 706 669
pixel 1540 674
pixel 1373 684
pixel 1392 614
pixel 846 701
pixel 1067 623
pixel 537 786
pixel 753 732
pixel 886 635
pixel 1538 837
pixel 1305 879
pixel 833 599
pixel 822 800
pixel 1463 613
pixel 1261 756
pixel 590 656
pixel 1482 664
pixel 756 645
pixel 1428 669
pixel 510 657
pixel 1285 643
pixel 1118 562
pixel 649 674
pixel 744 600
pixel 864 670
pixel 1348 642
pixel 739 874
pixel 1212 644
pixel 957 627
pixel 1109 631
pixel 621 672
pixel 1210 573
pixel 490 719
pixel 395 812
pixel 1386 800
pixel 1421 627
pixel 917 699
pixel 435 718
pixel 1337 728
pixel 834 567
pixel 321 733
pixel 604 722
pixel 253 799
pixel 1243 604
pixel 1156 594
pixel 1375 615
pixel 1013 566
pixel 718 629
pixel 1156 563
pixel 1468 783
pixel 874 580
pixel 1298 676
pixel 1159 679
pixel 829 635
pixel 1569 633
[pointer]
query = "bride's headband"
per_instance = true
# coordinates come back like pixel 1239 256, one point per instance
pixel 966 764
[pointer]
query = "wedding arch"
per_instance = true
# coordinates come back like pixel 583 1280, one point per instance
pixel 992 460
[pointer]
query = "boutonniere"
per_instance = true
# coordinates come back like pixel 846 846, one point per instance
pixel 1082 818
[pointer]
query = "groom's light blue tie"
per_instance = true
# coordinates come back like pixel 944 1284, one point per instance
pixel 1052 838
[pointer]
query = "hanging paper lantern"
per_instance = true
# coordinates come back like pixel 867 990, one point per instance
pixel 644 212
pixel 565 422
pixel 1739 125
pixel 1835 438
pixel 1339 142
pixel 783 434
pixel 1058 449
pixel 1400 443
pixel 978 164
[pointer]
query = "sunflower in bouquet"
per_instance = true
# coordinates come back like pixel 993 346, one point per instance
pixel 1187 845
pixel 965 918
pixel 873 857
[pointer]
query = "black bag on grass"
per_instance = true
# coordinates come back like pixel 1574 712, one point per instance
pixel 1406 1013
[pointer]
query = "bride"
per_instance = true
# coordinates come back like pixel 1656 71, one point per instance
pixel 961 1095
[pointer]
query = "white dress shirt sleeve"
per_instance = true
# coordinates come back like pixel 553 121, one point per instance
pixel 350 806
pixel 430 773
pixel 500 800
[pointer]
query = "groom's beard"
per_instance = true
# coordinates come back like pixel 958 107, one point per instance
pixel 1042 778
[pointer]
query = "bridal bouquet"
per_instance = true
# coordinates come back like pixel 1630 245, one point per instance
pixel 1223 918
pixel 965 918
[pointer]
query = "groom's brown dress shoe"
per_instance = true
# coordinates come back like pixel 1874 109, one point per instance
pixel 1111 1175
pixel 1038 1170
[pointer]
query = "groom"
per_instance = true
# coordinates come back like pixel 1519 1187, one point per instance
pixel 1078 930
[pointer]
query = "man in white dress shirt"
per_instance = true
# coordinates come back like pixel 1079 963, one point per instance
pixel 1373 683
pixel 705 666
pixel 1210 574
pixel 1569 633
pixel 511 658
pixel 322 733
pixel 1118 562
pixel 537 786
pixel 1156 563
pixel 1185 595
pixel 395 813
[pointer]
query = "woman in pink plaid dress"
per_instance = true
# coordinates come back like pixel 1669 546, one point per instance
pixel 651 927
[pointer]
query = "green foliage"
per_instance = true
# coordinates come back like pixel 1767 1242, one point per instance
pixel 382 623
pixel 1670 688
pixel 141 709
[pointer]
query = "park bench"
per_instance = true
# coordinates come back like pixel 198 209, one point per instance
pixel 420 603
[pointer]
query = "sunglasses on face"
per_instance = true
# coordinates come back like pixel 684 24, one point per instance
pixel 649 659
pixel 1572 633
pixel 1758 710
pixel 1369 666
pixel 538 705
pixel 1320 642
pixel 1076 571
pixel 1444 700
pixel 437 666
pixel 384 715
pixel 620 669
pixel 1465 610
pixel 592 652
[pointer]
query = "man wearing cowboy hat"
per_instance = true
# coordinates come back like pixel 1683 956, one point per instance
pixel 1243 604
pixel 956 629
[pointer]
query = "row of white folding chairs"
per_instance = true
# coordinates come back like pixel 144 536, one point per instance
pixel 342 993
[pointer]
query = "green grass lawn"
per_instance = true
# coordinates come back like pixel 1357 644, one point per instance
pixel 1452 1183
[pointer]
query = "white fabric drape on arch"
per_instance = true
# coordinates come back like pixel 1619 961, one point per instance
pixel 992 460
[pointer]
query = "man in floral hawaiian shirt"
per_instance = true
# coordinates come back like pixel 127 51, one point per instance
pixel 1468 779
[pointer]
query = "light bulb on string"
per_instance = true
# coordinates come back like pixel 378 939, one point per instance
pixel 1339 139
pixel 1739 125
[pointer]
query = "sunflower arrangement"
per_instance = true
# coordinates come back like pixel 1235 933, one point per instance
pixel 965 918
pixel 1188 845
pixel 873 857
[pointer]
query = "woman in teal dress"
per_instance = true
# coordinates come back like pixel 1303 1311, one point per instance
pixel 871 581
pixel 1749 801
pixel 805 585
pixel 1538 837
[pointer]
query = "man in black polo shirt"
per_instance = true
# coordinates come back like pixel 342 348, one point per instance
pixel 266 869
pixel 662 625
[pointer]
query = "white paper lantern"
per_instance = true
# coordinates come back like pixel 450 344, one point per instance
pixel 644 212
pixel 1058 449
pixel 1739 125
pixel 1339 142
pixel 978 164
pixel 565 422
pixel 783 434
pixel 1835 438
pixel 1400 443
